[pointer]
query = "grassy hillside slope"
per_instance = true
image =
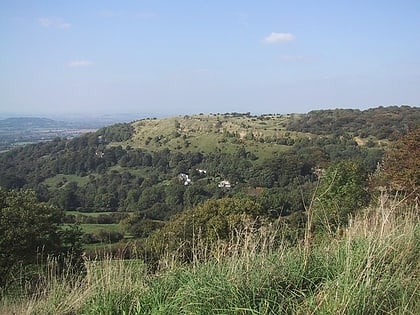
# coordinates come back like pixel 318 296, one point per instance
pixel 207 133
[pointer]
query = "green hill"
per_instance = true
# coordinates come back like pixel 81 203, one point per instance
pixel 156 168
pixel 221 213
pixel 206 133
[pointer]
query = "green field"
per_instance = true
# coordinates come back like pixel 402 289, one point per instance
pixel 60 180
pixel 88 214
pixel 95 228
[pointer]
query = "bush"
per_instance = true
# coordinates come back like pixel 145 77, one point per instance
pixel 213 220
pixel 401 166
pixel 102 236
pixel 343 191
pixel 32 230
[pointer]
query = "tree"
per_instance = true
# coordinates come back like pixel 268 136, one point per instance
pixel 139 226
pixel 30 230
pixel 401 166
pixel 150 196
pixel 68 198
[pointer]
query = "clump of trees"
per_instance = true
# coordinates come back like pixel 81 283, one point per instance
pixel 214 220
pixel 382 122
pixel 32 231
pixel 102 236
pixel 116 133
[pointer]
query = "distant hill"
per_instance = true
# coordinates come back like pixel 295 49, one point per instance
pixel 17 131
pixel 30 122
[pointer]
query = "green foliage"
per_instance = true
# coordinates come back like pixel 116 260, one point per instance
pixel 31 230
pixel 150 196
pixel 401 166
pixel 285 200
pixel 140 226
pixel 102 236
pixel 343 191
pixel 116 133
pixel 195 194
pixel 381 122
pixel 215 219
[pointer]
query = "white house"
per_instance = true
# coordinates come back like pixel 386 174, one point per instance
pixel 224 184
pixel 185 178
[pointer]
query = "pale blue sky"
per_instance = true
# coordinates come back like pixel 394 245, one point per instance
pixel 187 57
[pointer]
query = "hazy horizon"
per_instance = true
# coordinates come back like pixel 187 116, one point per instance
pixel 161 58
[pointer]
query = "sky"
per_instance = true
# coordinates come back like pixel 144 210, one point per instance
pixel 187 57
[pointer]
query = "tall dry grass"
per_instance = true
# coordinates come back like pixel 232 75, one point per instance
pixel 106 287
pixel 371 267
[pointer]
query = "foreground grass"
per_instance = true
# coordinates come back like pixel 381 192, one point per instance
pixel 371 268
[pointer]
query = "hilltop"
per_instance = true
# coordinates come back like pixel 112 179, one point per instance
pixel 207 132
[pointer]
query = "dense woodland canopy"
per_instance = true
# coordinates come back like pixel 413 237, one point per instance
pixel 382 123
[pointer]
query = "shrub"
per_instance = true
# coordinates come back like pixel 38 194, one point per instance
pixel 401 166
pixel 342 191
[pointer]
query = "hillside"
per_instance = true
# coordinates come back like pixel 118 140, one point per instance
pixel 206 133
pixel 278 215
pixel 380 122
pixel 151 169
